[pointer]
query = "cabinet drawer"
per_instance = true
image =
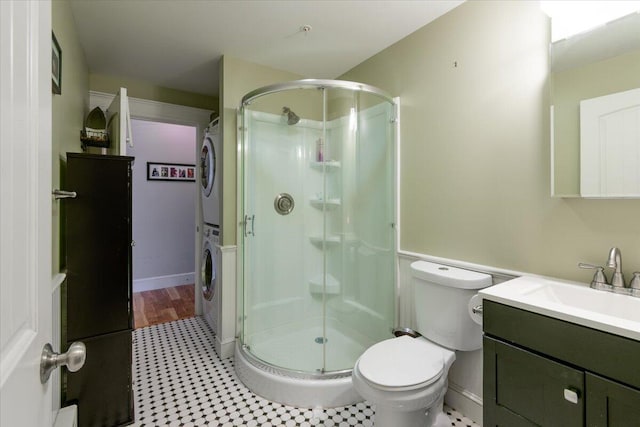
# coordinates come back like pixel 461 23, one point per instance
pixel 523 388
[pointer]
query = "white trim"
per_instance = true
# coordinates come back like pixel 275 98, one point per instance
pixel 161 282
pixel 57 280
pixel 154 110
pixel 226 333
pixel 225 347
pixel 67 417
pixel 144 109
pixel 465 402
pixel 56 328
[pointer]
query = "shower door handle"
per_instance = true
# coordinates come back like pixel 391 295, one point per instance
pixel 248 218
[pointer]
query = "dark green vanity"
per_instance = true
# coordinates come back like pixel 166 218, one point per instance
pixel 542 371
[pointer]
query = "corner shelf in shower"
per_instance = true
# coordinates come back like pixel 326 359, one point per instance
pixel 327 204
pixel 315 285
pixel 328 241
pixel 329 165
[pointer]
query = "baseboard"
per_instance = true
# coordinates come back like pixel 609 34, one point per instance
pixel 464 402
pixel 67 417
pixel 161 282
pixel 225 349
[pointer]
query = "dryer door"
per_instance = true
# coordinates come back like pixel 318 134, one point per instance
pixel 207 166
pixel 208 271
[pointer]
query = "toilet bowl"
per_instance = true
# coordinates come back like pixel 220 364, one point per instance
pixel 406 377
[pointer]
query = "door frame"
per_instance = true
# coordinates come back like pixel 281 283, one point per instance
pixel 144 109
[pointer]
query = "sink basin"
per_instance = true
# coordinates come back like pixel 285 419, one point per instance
pixel 605 311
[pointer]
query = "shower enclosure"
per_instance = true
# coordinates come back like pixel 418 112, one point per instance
pixel 317 239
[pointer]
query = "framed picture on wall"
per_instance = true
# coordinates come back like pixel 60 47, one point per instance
pixel 157 171
pixel 56 66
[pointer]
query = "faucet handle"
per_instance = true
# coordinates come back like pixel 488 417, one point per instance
pixel 635 281
pixel 599 277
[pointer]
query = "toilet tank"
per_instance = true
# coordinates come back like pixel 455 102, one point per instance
pixel 441 297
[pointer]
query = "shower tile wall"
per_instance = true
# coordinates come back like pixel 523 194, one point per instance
pixel 180 381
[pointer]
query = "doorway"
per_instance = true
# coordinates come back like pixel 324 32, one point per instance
pixel 163 221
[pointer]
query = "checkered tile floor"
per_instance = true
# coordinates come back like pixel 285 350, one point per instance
pixel 180 381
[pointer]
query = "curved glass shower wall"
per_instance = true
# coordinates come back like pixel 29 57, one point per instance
pixel 318 239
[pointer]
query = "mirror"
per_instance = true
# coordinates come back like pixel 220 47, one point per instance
pixel 595 147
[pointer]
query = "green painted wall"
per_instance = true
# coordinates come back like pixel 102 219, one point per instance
pixel 68 108
pixel 475 168
pixel 145 90
pixel 237 78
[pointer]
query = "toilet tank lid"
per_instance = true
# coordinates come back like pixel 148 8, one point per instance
pixel 450 276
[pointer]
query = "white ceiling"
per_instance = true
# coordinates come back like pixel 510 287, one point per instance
pixel 178 44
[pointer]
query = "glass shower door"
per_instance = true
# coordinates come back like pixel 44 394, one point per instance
pixel 360 168
pixel 281 322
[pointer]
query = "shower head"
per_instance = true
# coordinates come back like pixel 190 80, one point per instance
pixel 292 118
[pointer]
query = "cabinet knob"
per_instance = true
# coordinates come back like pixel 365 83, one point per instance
pixel 571 395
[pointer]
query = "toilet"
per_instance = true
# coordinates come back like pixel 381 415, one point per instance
pixel 406 377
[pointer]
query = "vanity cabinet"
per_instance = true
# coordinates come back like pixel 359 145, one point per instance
pixel 542 371
pixel 611 403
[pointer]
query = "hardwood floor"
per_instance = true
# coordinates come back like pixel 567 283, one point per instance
pixel 163 305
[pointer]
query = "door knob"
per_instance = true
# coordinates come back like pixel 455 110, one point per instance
pixel 73 359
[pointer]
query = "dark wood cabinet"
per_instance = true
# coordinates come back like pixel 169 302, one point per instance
pixel 529 389
pixel 102 388
pixel 542 371
pixel 611 404
pixel 98 302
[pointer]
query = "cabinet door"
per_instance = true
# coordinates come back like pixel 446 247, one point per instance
pixel 98 224
pixel 611 404
pixel 102 388
pixel 524 389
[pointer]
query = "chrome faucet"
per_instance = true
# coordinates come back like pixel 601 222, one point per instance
pixel 615 261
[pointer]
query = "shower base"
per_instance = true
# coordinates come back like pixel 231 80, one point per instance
pixel 295 385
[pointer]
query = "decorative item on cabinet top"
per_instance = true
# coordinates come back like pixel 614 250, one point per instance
pixel 95 132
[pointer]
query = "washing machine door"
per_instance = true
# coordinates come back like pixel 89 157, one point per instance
pixel 207 165
pixel 208 271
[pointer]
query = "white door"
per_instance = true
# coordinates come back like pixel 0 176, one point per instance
pixel 119 123
pixel 25 211
pixel 610 145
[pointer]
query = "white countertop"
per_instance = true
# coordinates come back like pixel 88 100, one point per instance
pixel 572 302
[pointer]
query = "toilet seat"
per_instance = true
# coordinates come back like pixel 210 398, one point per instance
pixel 402 363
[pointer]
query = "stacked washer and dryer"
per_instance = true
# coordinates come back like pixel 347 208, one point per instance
pixel 210 256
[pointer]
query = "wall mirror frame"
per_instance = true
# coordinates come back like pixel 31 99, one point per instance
pixel 593 64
